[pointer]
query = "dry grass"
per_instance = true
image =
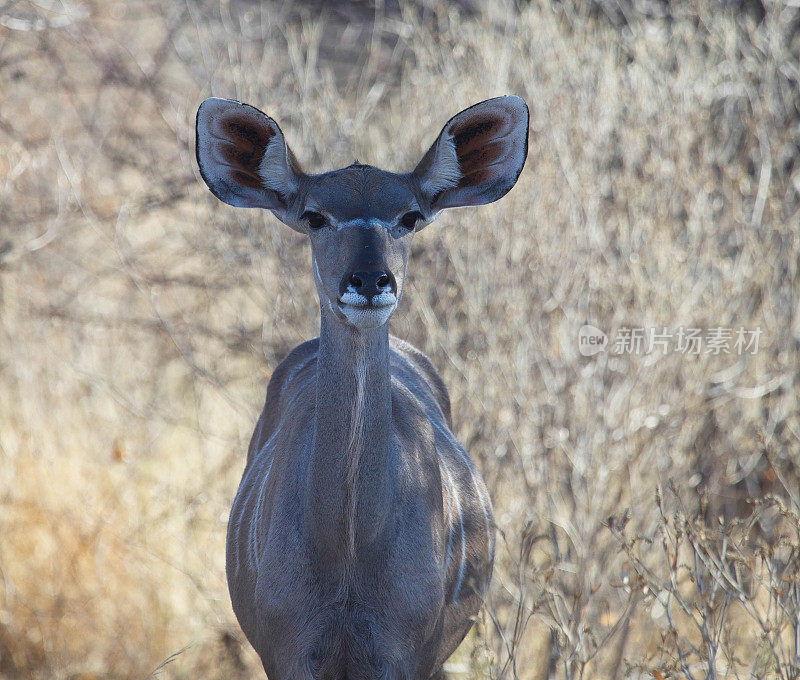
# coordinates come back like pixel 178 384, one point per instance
pixel 140 319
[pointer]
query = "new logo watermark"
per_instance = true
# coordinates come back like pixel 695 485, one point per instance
pixel 684 340
pixel 591 340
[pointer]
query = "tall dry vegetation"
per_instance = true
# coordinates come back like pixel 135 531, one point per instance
pixel 141 319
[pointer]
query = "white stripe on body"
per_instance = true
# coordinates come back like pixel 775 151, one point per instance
pixel 465 458
pixel 434 416
pixel 295 371
pixel 257 465
pixel 455 499
pixel 451 492
pixel 253 547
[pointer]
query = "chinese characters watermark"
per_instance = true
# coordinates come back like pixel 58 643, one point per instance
pixel 684 340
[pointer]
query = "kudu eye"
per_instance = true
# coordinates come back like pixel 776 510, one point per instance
pixel 410 219
pixel 315 220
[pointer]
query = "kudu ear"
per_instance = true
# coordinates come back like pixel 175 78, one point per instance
pixel 243 156
pixel 478 155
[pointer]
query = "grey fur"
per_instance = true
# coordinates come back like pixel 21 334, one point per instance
pixel 361 540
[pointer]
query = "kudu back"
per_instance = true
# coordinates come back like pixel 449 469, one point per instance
pixel 360 542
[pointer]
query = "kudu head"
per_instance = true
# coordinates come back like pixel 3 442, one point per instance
pixel 360 219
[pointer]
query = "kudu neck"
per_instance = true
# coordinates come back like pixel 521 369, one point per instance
pixel 344 347
pixel 351 475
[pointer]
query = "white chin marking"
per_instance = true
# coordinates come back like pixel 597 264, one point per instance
pixel 385 298
pixel 367 317
pixel 354 299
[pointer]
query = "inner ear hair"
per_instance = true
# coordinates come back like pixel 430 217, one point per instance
pixel 278 168
pixel 478 155
pixel 444 171
pixel 243 156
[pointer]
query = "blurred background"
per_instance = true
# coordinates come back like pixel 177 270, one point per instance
pixel 646 498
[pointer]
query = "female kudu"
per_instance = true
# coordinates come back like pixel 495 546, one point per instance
pixel 360 543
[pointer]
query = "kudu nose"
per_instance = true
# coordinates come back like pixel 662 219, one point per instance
pixel 372 283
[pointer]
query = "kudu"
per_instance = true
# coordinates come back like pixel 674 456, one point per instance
pixel 360 543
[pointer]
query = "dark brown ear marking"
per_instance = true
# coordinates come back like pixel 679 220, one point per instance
pixel 243 156
pixel 242 148
pixel 241 131
pixel 478 155
pixel 478 128
pixel 479 146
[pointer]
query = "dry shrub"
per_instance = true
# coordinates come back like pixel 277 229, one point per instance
pixel 727 601
pixel 140 318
